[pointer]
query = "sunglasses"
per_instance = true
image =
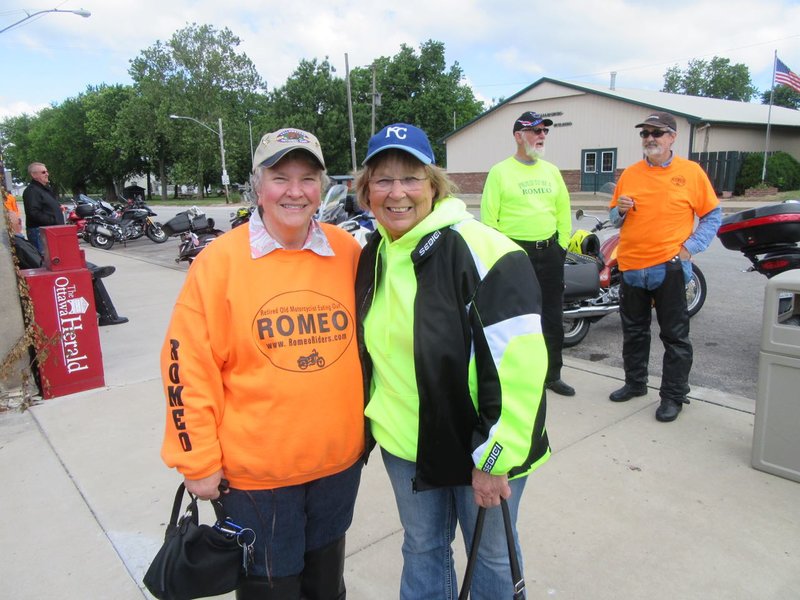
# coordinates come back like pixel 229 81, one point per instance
pixel 656 133
pixel 538 130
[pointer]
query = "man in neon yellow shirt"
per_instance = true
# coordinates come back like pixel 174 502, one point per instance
pixel 525 198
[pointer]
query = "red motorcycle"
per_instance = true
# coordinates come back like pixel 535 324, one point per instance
pixel 86 207
pixel 74 219
pixel 768 236
pixel 592 281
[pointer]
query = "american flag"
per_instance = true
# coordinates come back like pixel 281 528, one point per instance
pixel 784 75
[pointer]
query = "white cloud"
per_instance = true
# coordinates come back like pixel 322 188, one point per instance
pixel 501 47
pixel 15 108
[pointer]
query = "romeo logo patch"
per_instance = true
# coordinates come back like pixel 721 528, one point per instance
pixel 303 331
pixel 679 181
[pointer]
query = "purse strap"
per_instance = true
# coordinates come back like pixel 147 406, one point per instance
pixel 516 575
pixel 191 509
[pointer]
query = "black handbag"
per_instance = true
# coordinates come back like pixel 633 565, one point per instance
pixel 198 560
pixel 516 575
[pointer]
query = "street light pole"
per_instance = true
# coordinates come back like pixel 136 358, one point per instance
pixel 225 179
pixel 79 12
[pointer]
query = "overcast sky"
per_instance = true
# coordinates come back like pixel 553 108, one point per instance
pixel 502 47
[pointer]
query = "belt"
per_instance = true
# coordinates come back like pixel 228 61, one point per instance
pixel 542 244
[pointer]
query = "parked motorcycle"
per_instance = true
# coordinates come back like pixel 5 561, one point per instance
pixel 337 208
pixel 196 231
pixel 131 222
pixel 84 208
pixel 97 206
pixel 340 208
pixel 769 236
pixel 242 215
pixel 591 294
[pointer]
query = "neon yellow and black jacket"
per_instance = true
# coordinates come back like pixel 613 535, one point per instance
pixel 450 332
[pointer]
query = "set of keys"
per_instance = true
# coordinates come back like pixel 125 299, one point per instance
pixel 245 537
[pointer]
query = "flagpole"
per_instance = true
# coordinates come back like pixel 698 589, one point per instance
pixel 769 116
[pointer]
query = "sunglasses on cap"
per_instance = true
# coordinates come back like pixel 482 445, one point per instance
pixel 537 130
pixel 656 133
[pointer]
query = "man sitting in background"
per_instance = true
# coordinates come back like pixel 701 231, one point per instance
pixel 29 257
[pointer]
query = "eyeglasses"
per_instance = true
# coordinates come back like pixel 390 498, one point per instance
pixel 656 133
pixel 385 184
pixel 538 130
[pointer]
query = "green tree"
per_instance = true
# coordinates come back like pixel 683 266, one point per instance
pixel 417 88
pixel 198 73
pixel 420 89
pixel 716 78
pixel 59 139
pixel 784 96
pixel 78 140
pixel 17 156
pixel 314 99
pixel 117 153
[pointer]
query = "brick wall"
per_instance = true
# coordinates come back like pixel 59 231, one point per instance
pixel 572 179
pixel 760 191
pixel 469 183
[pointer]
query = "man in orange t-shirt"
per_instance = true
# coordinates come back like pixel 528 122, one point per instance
pixel 654 205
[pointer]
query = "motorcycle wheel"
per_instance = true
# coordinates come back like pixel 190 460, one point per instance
pixel 98 240
pixel 574 331
pixel 156 233
pixel 696 291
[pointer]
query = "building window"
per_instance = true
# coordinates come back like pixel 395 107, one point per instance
pixel 590 162
pixel 607 165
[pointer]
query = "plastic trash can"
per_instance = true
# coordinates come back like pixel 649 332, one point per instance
pixel 776 433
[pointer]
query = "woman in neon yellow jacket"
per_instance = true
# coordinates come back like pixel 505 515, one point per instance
pixel 450 331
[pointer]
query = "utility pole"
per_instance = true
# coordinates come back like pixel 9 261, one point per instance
pixel 250 129
pixel 350 113
pixel 372 130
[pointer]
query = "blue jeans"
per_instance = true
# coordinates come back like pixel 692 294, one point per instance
pixel 290 521
pixel 429 526
pixel 33 237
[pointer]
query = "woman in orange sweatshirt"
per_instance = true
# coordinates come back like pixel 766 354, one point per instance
pixel 263 381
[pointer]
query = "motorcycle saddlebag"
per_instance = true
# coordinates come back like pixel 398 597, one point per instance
pixel 761 227
pixel 581 281
pixel 84 210
pixel 180 224
pixel 177 224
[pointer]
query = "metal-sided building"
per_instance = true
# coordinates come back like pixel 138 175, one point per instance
pixel 593 137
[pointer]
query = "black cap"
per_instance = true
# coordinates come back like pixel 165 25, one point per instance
pixel 530 119
pixel 661 120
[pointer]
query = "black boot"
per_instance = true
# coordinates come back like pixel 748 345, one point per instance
pixel 323 573
pixel 106 311
pixel 265 588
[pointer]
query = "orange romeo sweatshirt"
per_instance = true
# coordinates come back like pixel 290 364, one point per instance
pixel 260 365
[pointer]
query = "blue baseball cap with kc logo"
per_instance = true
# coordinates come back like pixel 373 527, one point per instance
pixel 401 136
